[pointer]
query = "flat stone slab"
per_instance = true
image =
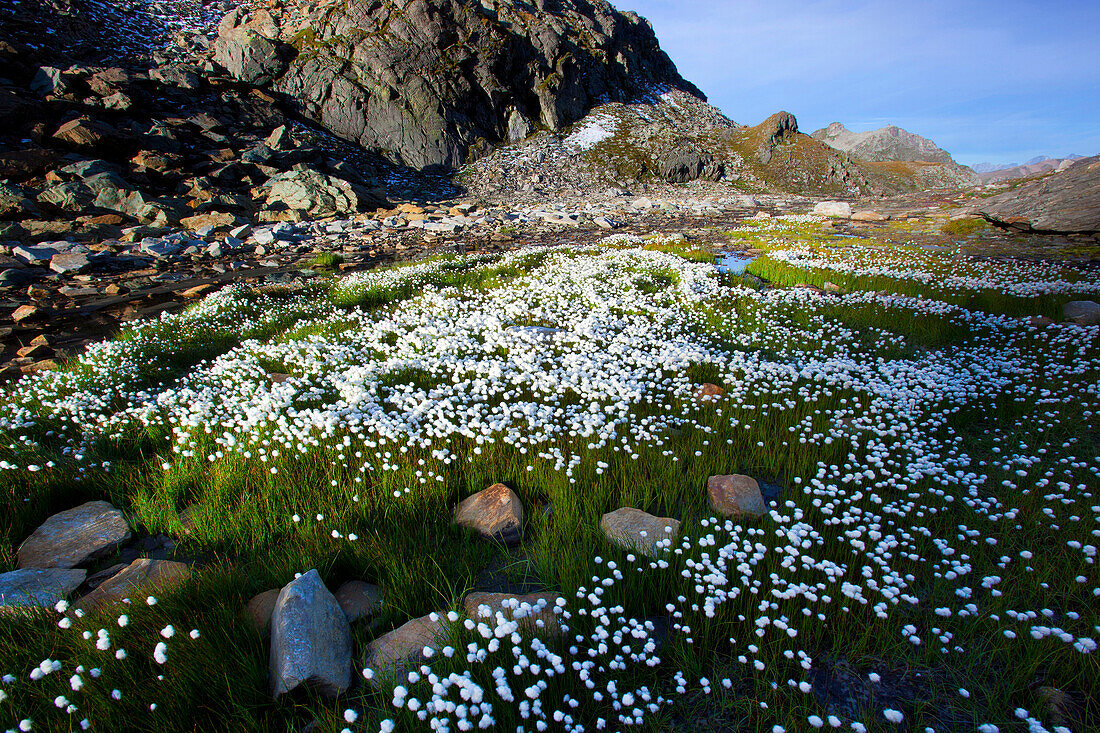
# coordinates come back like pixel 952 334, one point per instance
pixel 310 639
pixel 403 648
pixel 495 513
pixel 735 494
pixel 535 611
pixel 835 209
pixel 37 587
pixel 139 577
pixel 74 536
pixel 633 529
pixel 63 262
pixel 359 599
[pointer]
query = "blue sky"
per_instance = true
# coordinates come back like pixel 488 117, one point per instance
pixel 987 81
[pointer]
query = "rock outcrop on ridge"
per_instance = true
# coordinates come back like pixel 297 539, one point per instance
pixel 1066 202
pixel 892 144
pixel 436 82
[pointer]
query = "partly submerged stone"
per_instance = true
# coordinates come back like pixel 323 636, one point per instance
pixel 403 648
pixel 74 536
pixel 536 611
pixel 495 513
pixel 37 587
pixel 142 576
pixel 633 529
pixel 735 494
pixel 310 639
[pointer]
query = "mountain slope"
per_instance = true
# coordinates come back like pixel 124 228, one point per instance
pixel 437 82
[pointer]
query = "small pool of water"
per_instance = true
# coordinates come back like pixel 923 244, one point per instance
pixel 734 264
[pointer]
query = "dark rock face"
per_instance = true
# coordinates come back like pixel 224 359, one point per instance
pixel 436 81
pixel 1066 202
pixel 681 166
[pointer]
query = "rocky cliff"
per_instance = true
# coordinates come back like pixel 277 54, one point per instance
pixel 1062 202
pixel 437 82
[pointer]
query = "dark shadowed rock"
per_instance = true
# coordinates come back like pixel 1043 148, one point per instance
pixel 1082 312
pixel 430 80
pixel 141 577
pixel 495 513
pixel 1066 202
pixel 73 537
pixel 681 166
pixel 37 587
pixel 310 639
pixel 259 608
pixel 359 599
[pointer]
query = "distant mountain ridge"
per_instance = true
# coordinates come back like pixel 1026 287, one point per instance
pixel 892 144
pixel 882 145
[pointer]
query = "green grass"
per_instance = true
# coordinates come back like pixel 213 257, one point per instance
pixel 326 261
pixel 964 227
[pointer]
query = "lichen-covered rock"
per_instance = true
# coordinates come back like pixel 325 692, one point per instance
pixel 248 48
pixel 74 536
pixel 310 639
pixel 311 194
pixel 1082 312
pixel 430 80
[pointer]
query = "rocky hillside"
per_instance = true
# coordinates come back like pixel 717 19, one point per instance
pixel 1034 167
pixel 437 82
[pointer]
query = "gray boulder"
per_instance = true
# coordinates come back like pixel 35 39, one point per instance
pixel 1065 203
pixel 314 194
pixel 74 536
pixel 428 81
pixel 310 639
pixel 37 587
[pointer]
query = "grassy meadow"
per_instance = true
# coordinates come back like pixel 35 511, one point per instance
pixel 930 455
